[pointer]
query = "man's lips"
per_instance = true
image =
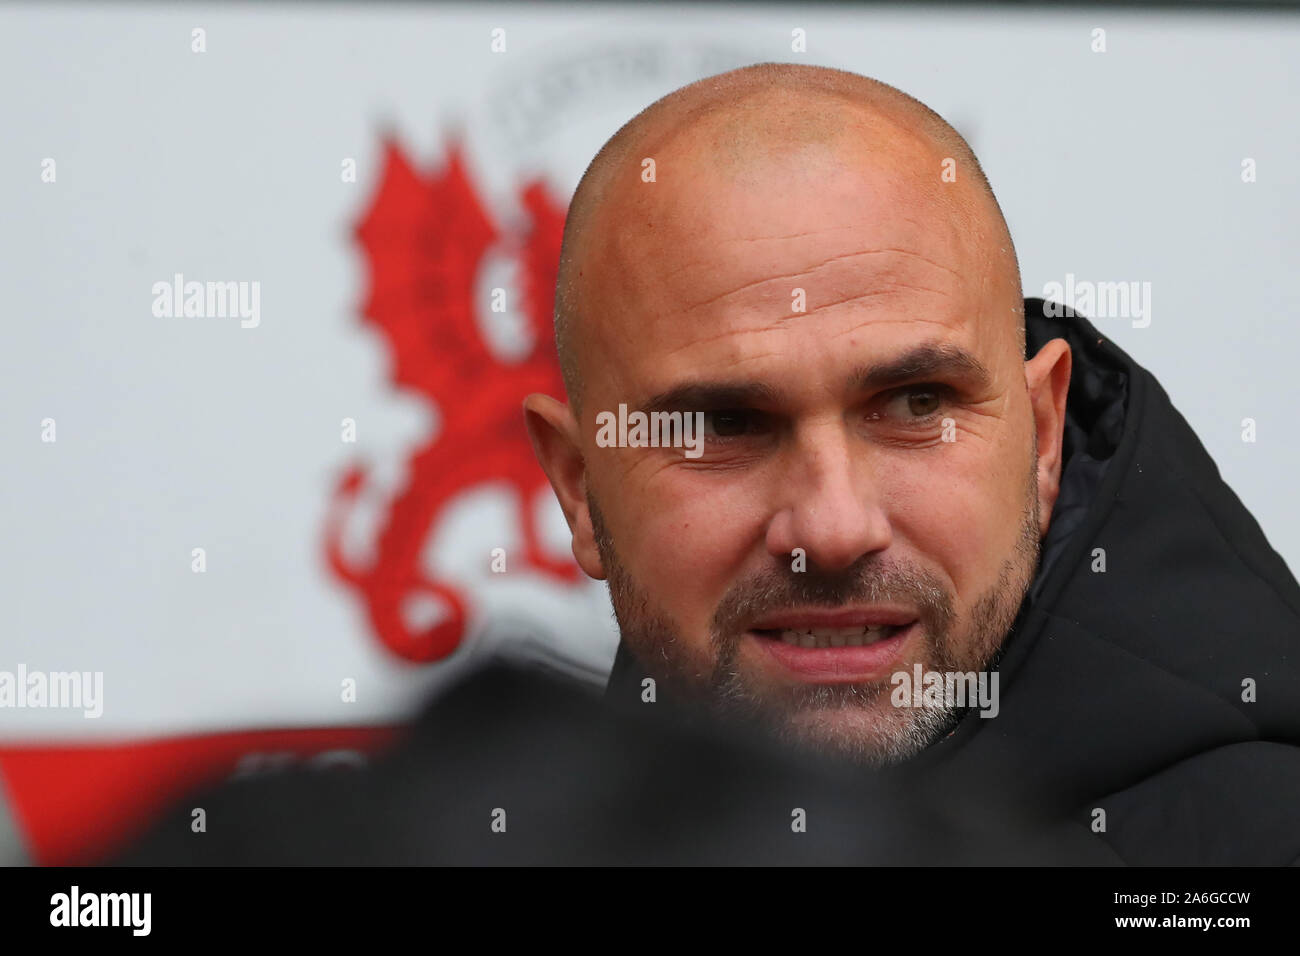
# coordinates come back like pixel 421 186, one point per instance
pixel 846 645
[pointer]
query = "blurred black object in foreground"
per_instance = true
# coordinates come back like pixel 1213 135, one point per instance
pixel 518 766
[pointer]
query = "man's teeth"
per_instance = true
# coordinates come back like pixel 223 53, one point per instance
pixel 837 636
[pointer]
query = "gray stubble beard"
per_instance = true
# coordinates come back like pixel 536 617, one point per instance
pixel 883 735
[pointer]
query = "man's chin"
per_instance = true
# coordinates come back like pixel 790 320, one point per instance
pixel 841 721
pixel 868 735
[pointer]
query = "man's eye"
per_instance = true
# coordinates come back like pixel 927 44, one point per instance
pixel 729 423
pixel 917 403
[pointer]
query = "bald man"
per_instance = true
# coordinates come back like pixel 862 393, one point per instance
pixel 925 520
pixel 905 471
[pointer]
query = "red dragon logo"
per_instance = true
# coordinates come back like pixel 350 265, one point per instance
pixel 424 238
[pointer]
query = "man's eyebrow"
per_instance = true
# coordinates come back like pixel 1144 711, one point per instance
pixel 712 395
pixel 921 362
pixel 924 361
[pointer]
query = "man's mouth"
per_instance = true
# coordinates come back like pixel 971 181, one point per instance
pixel 836 646
pixel 830 636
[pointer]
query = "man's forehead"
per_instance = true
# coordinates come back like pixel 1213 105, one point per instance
pixel 788 360
pixel 691 237
pixel 899 318
pixel 826 239
pixel 779 269
pixel 795 275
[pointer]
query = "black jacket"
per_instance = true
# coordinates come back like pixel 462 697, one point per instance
pixel 1122 736
pixel 1123 691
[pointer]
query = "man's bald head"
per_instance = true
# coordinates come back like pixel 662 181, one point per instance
pixel 734 124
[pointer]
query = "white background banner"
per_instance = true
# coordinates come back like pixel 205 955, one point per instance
pixel 128 157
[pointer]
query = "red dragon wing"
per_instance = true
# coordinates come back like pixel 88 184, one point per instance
pixel 423 238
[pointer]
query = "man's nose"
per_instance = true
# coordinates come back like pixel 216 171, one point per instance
pixel 831 504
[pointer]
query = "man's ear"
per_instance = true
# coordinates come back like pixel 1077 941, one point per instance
pixel 1047 376
pixel 557 443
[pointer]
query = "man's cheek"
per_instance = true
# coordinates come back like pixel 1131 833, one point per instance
pixel 691 550
pixel 957 524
